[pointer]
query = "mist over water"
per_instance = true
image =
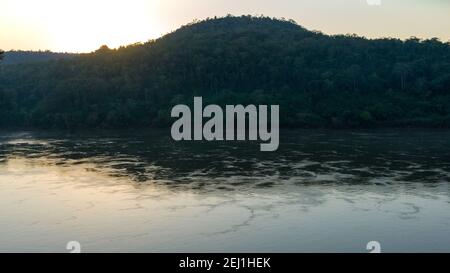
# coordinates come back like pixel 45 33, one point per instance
pixel 322 191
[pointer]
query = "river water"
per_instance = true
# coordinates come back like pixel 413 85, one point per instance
pixel 322 191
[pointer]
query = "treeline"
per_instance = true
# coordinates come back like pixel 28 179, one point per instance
pixel 23 57
pixel 318 80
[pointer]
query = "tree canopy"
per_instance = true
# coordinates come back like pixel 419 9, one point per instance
pixel 318 80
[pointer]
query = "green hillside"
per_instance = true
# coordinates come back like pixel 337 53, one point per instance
pixel 318 80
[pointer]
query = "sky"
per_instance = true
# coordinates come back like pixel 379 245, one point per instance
pixel 85 25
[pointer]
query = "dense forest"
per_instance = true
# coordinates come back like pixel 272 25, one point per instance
pixel 342 81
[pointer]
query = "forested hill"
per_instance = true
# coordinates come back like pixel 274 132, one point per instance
pixel 318 80
pixel 23 57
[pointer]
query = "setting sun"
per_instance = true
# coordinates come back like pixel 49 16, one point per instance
pixel 83 25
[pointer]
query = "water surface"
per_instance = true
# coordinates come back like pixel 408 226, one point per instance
pixel 322 191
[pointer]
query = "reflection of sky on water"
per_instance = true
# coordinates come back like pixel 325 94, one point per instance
pixel 323 191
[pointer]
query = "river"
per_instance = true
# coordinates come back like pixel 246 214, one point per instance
pixel 139 191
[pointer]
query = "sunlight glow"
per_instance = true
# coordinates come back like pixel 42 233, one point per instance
pixel 84 25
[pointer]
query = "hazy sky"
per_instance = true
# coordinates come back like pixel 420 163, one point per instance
pixel 84 25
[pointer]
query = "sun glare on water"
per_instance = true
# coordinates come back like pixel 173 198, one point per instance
pixel 85 25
